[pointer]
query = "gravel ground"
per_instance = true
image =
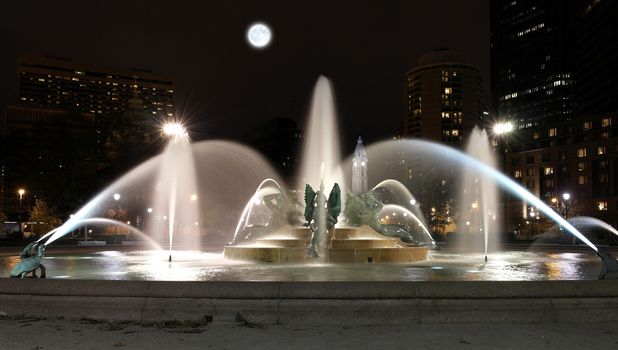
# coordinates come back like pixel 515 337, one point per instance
pixel 50 333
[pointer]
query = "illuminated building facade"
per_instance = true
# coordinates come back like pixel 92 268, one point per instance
pixel 443 98
pixel 59 83
pixel 532 78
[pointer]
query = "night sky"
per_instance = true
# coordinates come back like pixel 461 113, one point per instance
pixel 223 86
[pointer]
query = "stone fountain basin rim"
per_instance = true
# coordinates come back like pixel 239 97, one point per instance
pixel 312 290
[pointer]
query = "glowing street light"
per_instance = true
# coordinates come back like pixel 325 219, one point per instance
pixel 116 196
pixel 503 128
pixel 21 192
pixel 566 196
pixel 174 129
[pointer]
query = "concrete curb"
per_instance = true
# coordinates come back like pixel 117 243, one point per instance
pixel 352 303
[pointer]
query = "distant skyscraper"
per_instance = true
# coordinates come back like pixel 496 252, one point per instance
pixel 59 83
pixel 532 61
pixel 554 75
pixel 359 168
pixel 444 98
pixel 596 57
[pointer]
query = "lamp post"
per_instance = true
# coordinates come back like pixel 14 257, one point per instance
pixel 567 196
pixel 117 207
pixel 502 129
pixel 533 216
pixel 21 192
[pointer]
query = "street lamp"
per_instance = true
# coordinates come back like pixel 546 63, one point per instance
pixel 532 217
pixel 502 129
pixel 21 192
pixel 174 130
pixel 566 196
pixel 117 208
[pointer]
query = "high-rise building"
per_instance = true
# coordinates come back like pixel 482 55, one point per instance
pixel 443 102
pixel 554 76
pixel 596 56
pixel 443 98
pixel 59 83
pixel 47 153
pixel 532 61
pixel 77 127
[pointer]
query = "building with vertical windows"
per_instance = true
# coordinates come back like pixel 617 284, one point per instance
pixel 59 83
pixel 578 157
pixel 443 98
pixel 554 76
pixel 443 102
pixel 596 56
pixel 532 73
pixel 76 127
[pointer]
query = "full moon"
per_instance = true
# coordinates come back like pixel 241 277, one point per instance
pixel 259 35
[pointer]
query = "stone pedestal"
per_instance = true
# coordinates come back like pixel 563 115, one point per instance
pixel 348 245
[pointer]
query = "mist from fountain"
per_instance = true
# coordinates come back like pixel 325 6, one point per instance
pixel 256 200
pixel 583 222
pixel 478 199
pixel 440 153
pixel 392 214
pixel 321 157
pixel 391 191
pixel 175 210
pixel 228 173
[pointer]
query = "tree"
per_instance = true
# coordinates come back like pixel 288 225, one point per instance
pixel 2 220
pixel 44 218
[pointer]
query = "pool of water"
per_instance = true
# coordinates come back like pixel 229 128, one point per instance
pixel 444 265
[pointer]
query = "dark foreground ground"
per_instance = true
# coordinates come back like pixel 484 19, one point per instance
pixel 39 333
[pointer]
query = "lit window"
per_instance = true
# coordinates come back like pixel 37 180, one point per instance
pixel 601 150
pixel 605 122
pixel 603 178
pixel 581 166
pixel 447 90
pixel 581 152
pixel 517 174
pixel 552 132
pixel 535 135
pixel 587 126
pixel 548 170
pixel 455 133
pixel 582 179
pixel 602 205
pixel 605 135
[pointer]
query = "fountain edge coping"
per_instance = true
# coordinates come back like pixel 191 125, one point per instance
pixel 312 290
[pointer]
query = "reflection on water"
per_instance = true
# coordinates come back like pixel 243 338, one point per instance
pixel 200 266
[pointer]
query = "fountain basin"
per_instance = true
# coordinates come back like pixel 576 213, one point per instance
pixel 349 245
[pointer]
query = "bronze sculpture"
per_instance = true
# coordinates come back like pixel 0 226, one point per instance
pixel 31 258
pixel 321 216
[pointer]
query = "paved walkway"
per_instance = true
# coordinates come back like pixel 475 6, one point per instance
pixel 36 333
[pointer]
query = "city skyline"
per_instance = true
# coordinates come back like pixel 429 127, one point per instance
pixel 364 49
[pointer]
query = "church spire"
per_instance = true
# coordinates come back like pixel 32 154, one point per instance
pixel 359 168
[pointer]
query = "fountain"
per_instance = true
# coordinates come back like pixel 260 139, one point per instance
pixel 367 241
pixel 478 200
pixel 196 195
